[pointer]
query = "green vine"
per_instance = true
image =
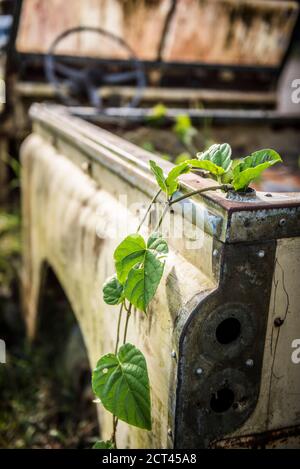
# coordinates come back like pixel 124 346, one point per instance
pixel 120 379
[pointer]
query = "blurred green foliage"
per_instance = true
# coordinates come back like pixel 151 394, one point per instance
pixel 9 247
pixel 184 129
pixel 36 404
pixel 15 166
pixel 158 114
pixel 183 157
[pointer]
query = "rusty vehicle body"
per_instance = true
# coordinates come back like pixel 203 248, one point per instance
pixel 218 336
pixel 210 386
pixel 231 90
pixel 237 69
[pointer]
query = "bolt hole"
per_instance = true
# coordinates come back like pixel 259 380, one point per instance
pixel 282 222
pixel 222 400
pixel 228 330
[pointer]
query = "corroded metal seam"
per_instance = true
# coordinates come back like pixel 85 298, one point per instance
pixel 207 366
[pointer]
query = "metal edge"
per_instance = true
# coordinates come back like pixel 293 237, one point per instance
pixel 110 148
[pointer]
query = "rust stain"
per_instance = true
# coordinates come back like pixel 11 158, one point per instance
pixel 224 32
pixel 271 439
pixel 227 32
pixel 140 23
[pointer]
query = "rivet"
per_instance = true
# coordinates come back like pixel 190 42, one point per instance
pixel 199 371
pixel 261 253
pixel 278 322
pixel 173 354
pixel 170 432
pixel 282 222
pixel 249 362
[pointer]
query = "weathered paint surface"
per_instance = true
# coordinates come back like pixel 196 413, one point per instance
pixel 140 23
pixel 252 32
pixel 230 32
pixel 65 217
pixel 278 404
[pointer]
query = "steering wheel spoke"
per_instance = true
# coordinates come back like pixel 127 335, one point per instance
pixel 88 79
pixel 67 71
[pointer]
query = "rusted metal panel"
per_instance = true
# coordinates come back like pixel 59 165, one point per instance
pixel 78 183
pixel 248 32
pixel 235 32
pixel 278 403
pixel 221 348
pixel 140 23
pixel 285 438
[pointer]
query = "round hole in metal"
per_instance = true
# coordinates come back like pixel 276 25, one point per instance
pixel 228 330
pixel 222 400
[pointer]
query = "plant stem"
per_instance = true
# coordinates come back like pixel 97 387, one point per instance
pixel 168 204
pixel 126 324
pixel 166 208
pixel 186 196
pixel 115 419
pixel 115 425
pixel 118 328
pixel 224 187
pixel 148 210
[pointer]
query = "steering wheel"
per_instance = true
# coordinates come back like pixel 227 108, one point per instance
pixel 89 79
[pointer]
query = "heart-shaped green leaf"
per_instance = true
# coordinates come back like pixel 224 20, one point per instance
pixel 143 281
pixel 140 267
pixel 172 179
pixel 159 176
pixel 252 166
pixel 121 382
pixel 216 160
pixel 104 445
pixel 112 291
pixel 129 253
pixel 169 185
pixel 219 154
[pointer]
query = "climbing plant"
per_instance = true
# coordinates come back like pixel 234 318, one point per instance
pixel 120 379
